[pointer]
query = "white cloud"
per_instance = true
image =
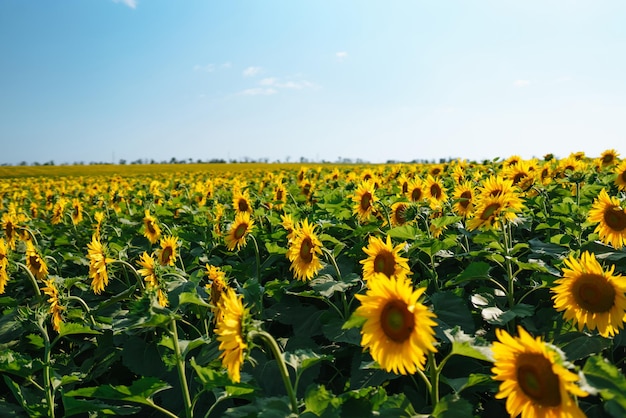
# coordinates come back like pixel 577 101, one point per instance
pixel 209 68
pixel 251 71
pixel 269 81
pixel 521 83
pixel 341 55
pixel 259 91
pixel 130 3
pixel 227 64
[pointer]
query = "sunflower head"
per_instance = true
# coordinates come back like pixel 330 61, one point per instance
pixel 56 309
pixel 534 380
pixel 304 251
pixel 610 215
pixel 152 231
pixel 590 295
pixel 167 254
pixel 35 262
pixel 398 329
pixel 384 258
pixel 231 331
pixel 239 230
pixel 364 199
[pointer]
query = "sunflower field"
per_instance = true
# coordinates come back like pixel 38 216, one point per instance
pixel 402 290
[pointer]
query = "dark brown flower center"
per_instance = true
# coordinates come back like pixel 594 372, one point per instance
pixel 435 191
pixel 366 201
pixel 240 231
pixel 608 159
pixel 8 229
pixel 306 250
pixel 615 218
pixel 397 321
pixel 466 198
pixel 150 227
pixel 405 186
pixel 385 262
pixel 166 254
pixel 490 210
pixel 537 380
pixel 400 215
pixel 34 262
pixel 518 177
pixel 242 205
pixel 416 194
pixel 623 176
pixel 594 293
pixel 279 194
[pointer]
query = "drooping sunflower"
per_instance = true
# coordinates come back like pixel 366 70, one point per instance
pixel 611 218
pixel 398 213
pixel 398 329
pixel 149 274
pixel 591 296
pixel 288 224
pixel 230 330
pixel 239 231
pixel 58 211
pixel 280 196
pixel 364 199
pixel 167 253
pixel 620 176
pixel 96 253
pixel 34 262
pixel 304 250
pixel 463 199
pixel 384 258
pixel 534 381
pixel 55 306
pixel 216 288
pixel 4 264
pixel 152 230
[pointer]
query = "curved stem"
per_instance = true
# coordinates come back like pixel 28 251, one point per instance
pixel 282 367
pixel 137 275
pixel 33 281
pixel 84 306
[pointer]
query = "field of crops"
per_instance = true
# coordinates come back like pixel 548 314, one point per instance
pixel 447 290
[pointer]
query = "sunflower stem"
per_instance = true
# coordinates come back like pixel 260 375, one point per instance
pixel 434 379
pixel 33 281
pixel 84 306
pixel 282 366
pixel 137 275
pixel 46 370
pixel 180 366
pixel 509 266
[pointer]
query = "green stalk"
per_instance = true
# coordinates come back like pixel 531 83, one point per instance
pixel 434 379
pixel 134 270
pixel 258 258
pixel 46 370
pixel 84 306
pixel 282 367
pixel 180 366
pixel 33 281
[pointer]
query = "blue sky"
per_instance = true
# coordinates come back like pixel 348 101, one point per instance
pixel 104 80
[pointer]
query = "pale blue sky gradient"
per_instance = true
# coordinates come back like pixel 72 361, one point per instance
pixel 104 80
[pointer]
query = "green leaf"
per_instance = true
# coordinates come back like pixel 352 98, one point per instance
pixel 18 364
pixel 80 406
pixel 140 391
pixel 192 298
pixel 407 232
pixel 453 406
pixel 354 321
pixel 302 359
pixel 610 382
pixel 451 311
pixel 477 270
pixel 73 328
pixel 577 345
pixel 326 285
pixel 497 316
pixel 317 399
pixel 466 345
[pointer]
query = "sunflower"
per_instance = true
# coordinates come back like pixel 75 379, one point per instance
pixel 534 381
pixel 9 225
pixel 488 213
pixel 435 192
pixel 287 223
pixel 403 184
pixel 384 258
pixel 34 262
pixel 495 186
pixel 364 199
pixel 280 196
pixel 167 254
pixel 55 307
pixel 620 176
pixel 4 264
pixel 230 333
pixel 96 253
pixel 398 213
pixel 303 252
pixel 522 174
pixel 77 211
pixel 216 288
pixel 398 329
pixel 239 231
pixel 608 157
pixel 241 201
pixel 464 199
pixel 152 231
pixel 98 217
pixel 611 219
pixel 416 190
pixel 58 211
pixel 591 296
pixel 148 272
